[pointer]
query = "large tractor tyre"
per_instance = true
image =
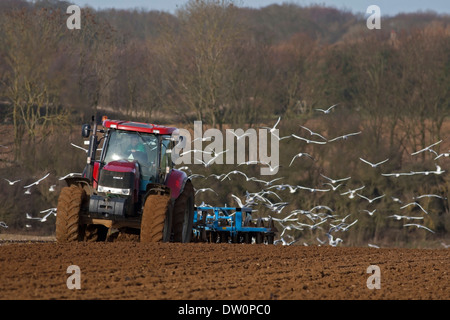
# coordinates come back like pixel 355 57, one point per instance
pixel 183 214
pixel 156 219
pixel 68 214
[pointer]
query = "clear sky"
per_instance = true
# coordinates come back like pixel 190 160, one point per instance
pixel 388 7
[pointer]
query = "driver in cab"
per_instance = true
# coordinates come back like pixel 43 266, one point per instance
pixel 135 145
pixel 136 151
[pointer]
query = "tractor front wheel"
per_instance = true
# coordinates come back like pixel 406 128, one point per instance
pixel 68 214
pixel 156 219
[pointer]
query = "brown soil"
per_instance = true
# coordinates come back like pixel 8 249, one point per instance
pixel 196 271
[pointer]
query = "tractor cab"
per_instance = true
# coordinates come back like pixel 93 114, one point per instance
pixel 143 148
pixel 145 144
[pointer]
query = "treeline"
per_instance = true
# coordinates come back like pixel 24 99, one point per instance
pixel 212 59
pixel 232 66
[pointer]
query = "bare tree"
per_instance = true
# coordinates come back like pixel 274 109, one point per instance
pixel 425 90
pixel 30 49
pixel 193 56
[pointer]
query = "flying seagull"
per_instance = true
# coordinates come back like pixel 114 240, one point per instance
pixel 185 168
pixel 272 130
pixel 399 217
pixel 301 154
pixel 373 165
pixel 235 172
pixel 333 181
pixel 308 141
pixel 314 133
pixel 345 136
pixel 37 182
pixel 326 111
pixel 352 192
pixel 438 170
pixel 446 246
pixel 429 196
pixel 195 175
pixel 416 204
pixel 239 201
pixel 53 210
pixel 216 155
pixel 427 148
pixel 418 226
pixel 11 183
pixel 397 174
pixel 267 183
pixel 396 200
pixel 445 154
pixel 370 212
pixel 333 186
pixel 28 216
pixel 270 167
pixel 370 200
pixel 74 145
pixel 204 190
pixel 70 175
pixel 333 242
pixel 311 226
pixel 217 176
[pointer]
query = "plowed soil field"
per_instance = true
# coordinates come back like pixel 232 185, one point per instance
pixel 197 271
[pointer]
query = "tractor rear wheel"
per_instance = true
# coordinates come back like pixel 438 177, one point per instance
pixel 183 214
pixel 68 214
pixel 156 219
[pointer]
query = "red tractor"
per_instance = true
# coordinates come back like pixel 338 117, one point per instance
pixel 128 187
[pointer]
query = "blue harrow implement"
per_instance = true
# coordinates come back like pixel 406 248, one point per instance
pixel 229 224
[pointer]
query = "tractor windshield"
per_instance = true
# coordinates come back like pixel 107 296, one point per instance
pixel 134 146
